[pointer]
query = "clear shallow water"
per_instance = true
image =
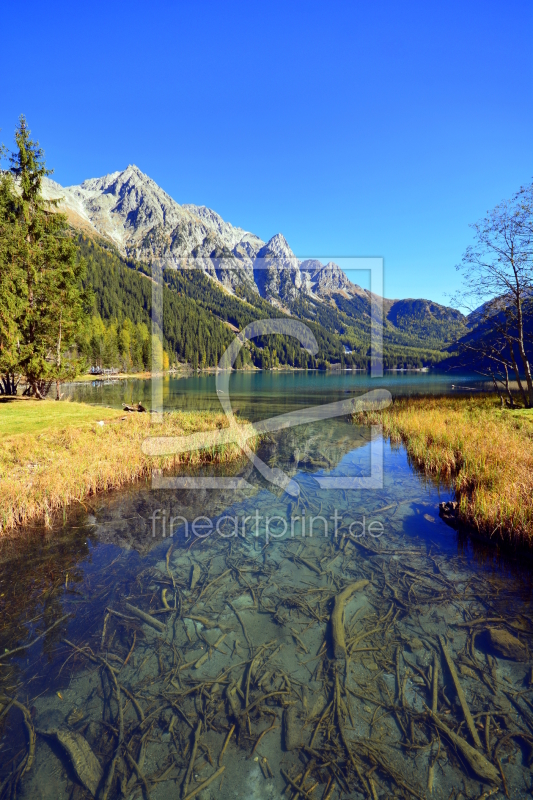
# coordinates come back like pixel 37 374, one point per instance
pixel 260 607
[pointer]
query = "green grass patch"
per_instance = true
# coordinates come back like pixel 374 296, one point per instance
pixel 37 416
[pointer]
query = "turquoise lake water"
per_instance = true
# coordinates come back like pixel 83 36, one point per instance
pixel 252 393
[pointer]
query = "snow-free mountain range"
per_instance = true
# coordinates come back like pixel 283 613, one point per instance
pixel 145 223
pixel 145 226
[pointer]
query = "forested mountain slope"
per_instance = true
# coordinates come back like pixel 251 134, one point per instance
pixel 196 308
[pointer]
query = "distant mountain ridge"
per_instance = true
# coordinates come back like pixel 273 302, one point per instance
pixel 144 223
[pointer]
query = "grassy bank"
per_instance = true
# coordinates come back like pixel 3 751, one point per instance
pixel 55 454
pixel 485 453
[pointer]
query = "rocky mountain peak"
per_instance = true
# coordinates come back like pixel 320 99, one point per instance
pixel 277 247
pixel 145 223
pixel 277 271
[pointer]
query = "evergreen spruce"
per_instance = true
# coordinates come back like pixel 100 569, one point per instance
pixel 11 285
pixel 48 274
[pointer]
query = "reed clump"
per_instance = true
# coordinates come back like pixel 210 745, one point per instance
pixel 46 467
pixel 484 452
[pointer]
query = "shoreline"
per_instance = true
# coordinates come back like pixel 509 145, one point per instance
pixel 482 452
pixel 53 455
pixel 187 371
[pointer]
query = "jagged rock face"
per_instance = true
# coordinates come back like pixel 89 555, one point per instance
pixel 277 271
pixel 328 279
pixel 145 223
pixel 231 235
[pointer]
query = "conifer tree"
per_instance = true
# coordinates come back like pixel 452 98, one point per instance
pixel 52 299
pixel 11 286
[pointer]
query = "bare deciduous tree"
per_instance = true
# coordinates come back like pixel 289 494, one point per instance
pixel 498 284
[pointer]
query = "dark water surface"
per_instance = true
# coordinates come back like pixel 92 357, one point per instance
pixel 250 647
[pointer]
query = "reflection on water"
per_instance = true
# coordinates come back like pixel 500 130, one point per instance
pixel 272 660
pixel 257 395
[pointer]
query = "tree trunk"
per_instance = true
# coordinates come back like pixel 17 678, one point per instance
pixel 517 374
pixel 37 392
pixel 8 384
pixel 507 387
pixel 521 348
pixel 58 360
pixel 505 381
pixel 527 370
pixel 39 388
pixel 495 382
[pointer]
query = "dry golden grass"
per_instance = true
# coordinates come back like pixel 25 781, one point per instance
pixel 485 453
pixel 55 454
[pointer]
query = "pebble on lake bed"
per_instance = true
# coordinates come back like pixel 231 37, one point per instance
pixel 507 645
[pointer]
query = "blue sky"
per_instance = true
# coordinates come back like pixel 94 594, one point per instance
pixel 355 129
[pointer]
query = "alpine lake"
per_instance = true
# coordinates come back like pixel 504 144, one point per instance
pixel 335 643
